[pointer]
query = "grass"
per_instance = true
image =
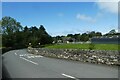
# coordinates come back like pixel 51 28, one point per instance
pixel 85 46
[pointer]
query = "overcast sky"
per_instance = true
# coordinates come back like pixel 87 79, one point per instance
pixel 61 18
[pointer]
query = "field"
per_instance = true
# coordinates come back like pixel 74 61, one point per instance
pixel 85 46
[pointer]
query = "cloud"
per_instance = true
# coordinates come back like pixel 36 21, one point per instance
pixel 111 7
pixel 108 0
pixel 85 18
pixel 117 30
pixel 65 32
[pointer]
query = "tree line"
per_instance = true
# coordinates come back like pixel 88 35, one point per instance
pixel 85 36
pixel 16 36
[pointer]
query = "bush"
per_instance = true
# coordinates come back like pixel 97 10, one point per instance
pixel 91 46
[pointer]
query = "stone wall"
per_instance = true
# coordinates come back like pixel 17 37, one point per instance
pixel 108 57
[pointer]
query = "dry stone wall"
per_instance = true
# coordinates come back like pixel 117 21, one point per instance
pixel 109 57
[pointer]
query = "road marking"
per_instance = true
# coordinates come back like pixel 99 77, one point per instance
pixel 29 61
pixel 30 56
pixel 34 56
pixel 69 76
pixel 21 55
pixel 38 56
pixel 15 53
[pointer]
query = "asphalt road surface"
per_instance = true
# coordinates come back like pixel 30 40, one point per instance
pixel 21 64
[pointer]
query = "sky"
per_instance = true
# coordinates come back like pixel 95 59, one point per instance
pixel 62 18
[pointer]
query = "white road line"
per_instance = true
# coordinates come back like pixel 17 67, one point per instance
pixel 15 53
pixel 21 55
pixel 69 76
pixel 34 56
pixel 38 56
pixel 29 61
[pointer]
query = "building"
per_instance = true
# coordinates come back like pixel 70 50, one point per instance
pixel 106 40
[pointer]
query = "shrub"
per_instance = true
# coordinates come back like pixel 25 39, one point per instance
pixel 91 46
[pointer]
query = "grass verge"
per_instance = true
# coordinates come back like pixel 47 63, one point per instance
pixel 85 46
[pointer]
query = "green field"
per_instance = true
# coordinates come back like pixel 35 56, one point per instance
pixel 85 46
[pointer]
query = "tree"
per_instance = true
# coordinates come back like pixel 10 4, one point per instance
pixel 26 29
pixel 10 25
pixel 98 34
pixel 19 40
pixel 0 27
pixel 70 35
pixel 15 36
pixel 44 37
pixel 112 31
pixel 33 30
pixel 84 37
pixel 26 33
pixel 92 34
pixel 42 28
pixel 77 37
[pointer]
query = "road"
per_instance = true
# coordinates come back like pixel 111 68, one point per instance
pixel 21 64
pixel 0 63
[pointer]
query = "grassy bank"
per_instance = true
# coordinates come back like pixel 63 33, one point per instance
pixel 85 46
